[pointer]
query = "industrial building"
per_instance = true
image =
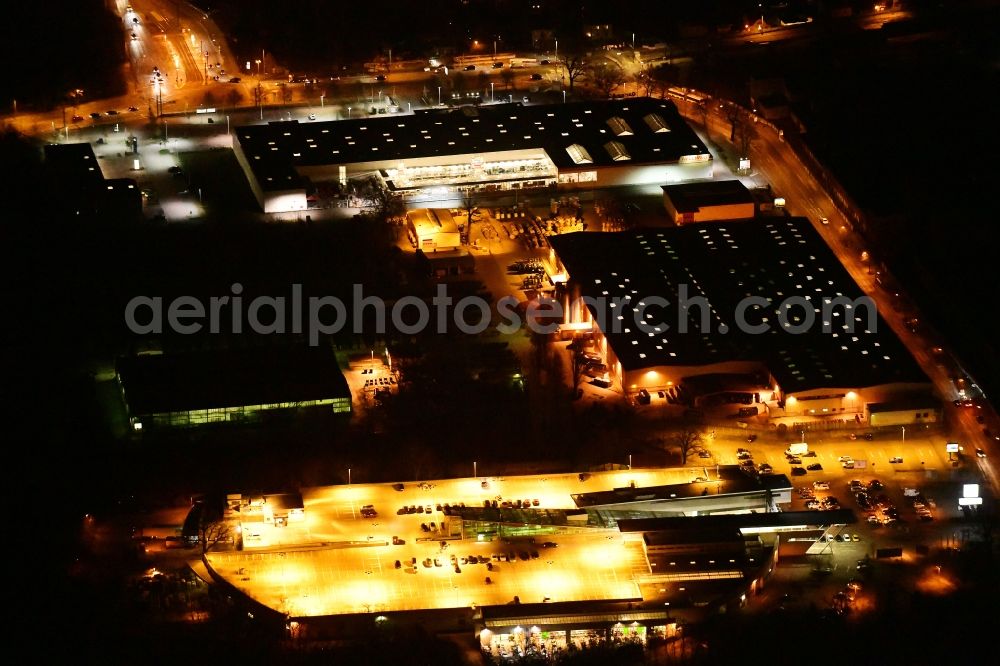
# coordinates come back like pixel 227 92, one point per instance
pixel 432 230
pixel 708 201
pixel 809 346
pixel 435 154
pixel 220 386
pixel 73 171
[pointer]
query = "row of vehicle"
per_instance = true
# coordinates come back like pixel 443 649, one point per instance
pixel 840 538
pixel 526 267
pixel 417 509
pixel 828 503
pixel 98 116
pixel 510 504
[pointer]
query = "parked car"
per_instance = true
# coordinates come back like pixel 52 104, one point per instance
pixel 821 485
pixel 798 471
pixel 814 467
pixel 536 77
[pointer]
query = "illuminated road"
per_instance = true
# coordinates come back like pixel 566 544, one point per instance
pixel 779 165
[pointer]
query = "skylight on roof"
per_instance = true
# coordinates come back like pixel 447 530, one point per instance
pixel 656 123
pixel 619 126
pixel 579 154
pixel 617 151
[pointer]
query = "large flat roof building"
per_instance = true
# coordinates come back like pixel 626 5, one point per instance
pixel 198 388
pixel 808 346
pixel 434 153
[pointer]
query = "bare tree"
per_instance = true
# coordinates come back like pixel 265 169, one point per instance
pixel 687 440
pixel 507 76
pixel 469 204
pixel 733 116
pixel 381 202
pixel 661 77
pixel 745 134
pixel 574 63
pixel 233 97
pixel 605 76
pixel 212 529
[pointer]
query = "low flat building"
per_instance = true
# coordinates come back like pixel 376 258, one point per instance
pixel 708 201
pixel 432 229
pixel 905 410
pixel 723 489
pixel 198 388
pixel 73 172
pixel 436 154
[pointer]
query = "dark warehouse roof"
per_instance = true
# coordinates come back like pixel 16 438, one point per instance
pixel 724 262
pixel 162 383
pixel 692 197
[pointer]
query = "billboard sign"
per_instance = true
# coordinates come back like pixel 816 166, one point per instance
pixel 951 447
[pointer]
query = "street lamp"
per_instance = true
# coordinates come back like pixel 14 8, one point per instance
pixel 557 50
pixel 475 471
pixel 492 97
pixel 439 95
pixel 321 105
pixel 904 435
pixel 348 112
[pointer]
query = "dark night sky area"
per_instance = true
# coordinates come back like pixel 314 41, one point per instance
pixel 908 127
